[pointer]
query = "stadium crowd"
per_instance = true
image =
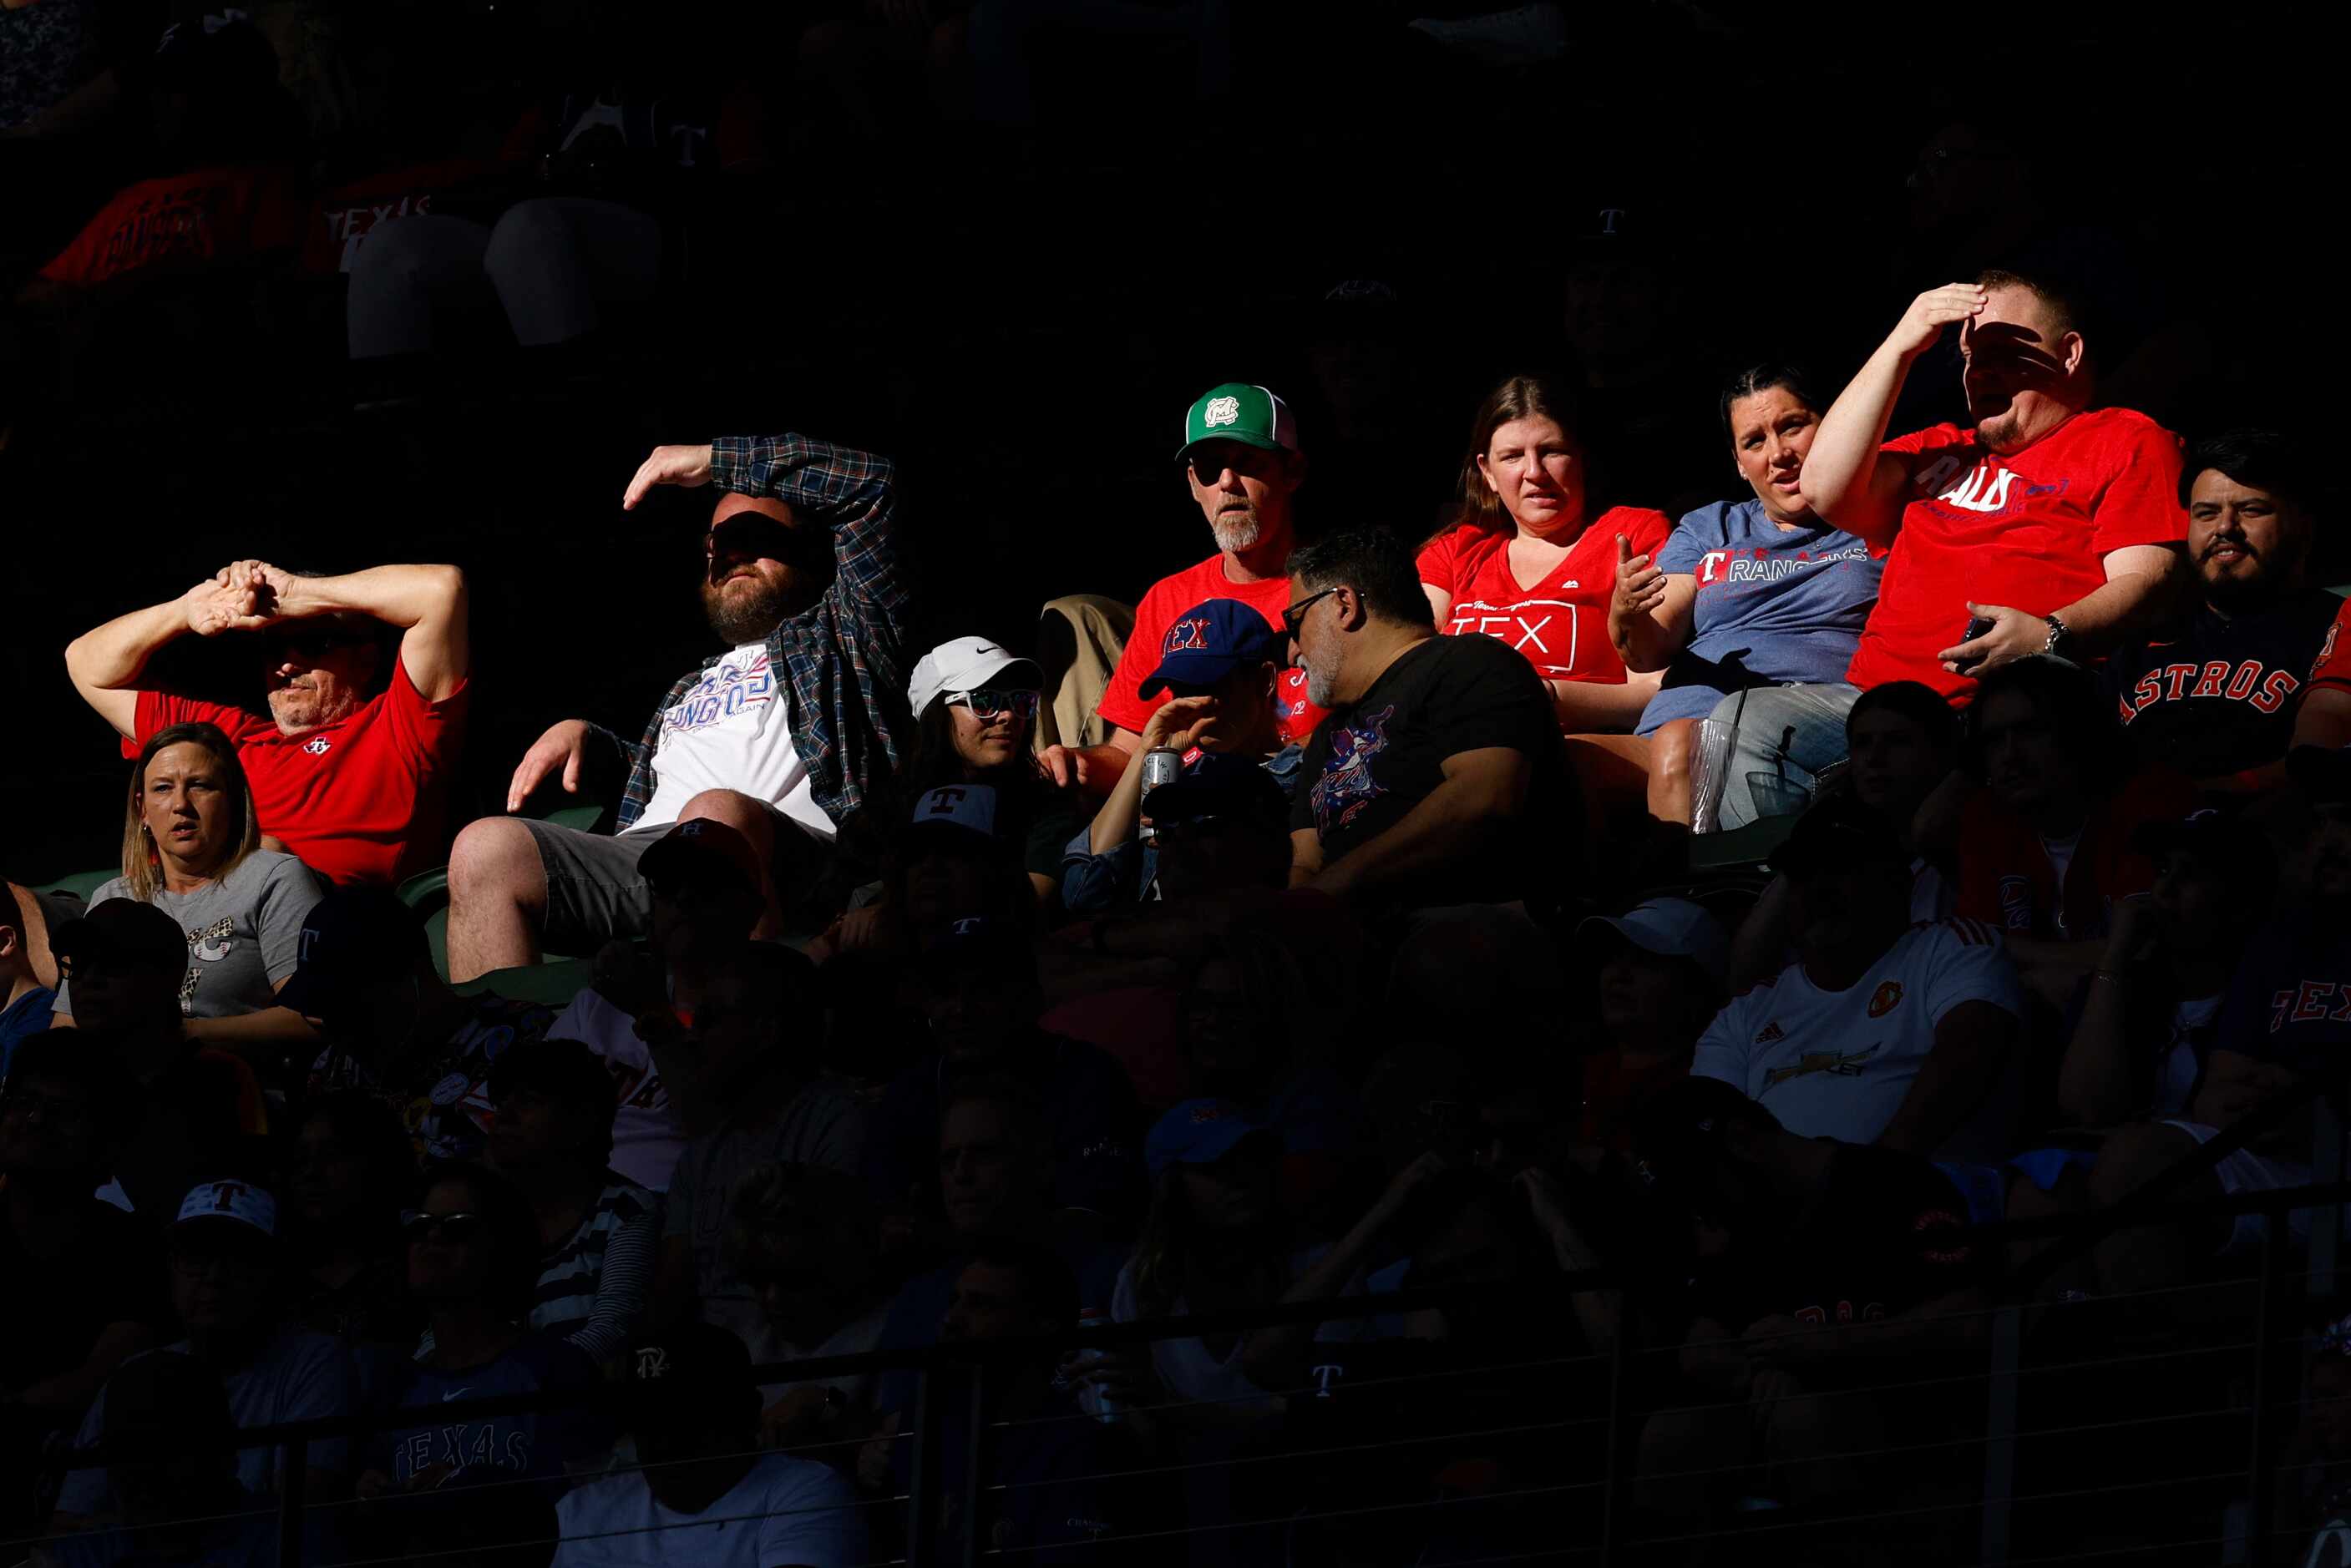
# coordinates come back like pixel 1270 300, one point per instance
pixel 1940 822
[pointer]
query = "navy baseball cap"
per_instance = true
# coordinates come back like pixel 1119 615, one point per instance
pixel 353 938
pixel 1200 1132
pixel 1208 642
pixel 1218 783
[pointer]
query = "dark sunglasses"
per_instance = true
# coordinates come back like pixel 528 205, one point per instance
pixel 457 1230
pixel 1295 615
pixel 994 700
pixel 1250 462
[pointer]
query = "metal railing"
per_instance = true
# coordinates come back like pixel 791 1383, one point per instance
pixel 952 1382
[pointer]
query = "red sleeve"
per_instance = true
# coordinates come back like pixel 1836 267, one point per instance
pixel 428 732
pixel 83 261
pixel 1121 701
pixel 2140 505
pixel 1916 442
pixel 2333 665
pixel 1440 558
pixel 162 710
pixel 1648 530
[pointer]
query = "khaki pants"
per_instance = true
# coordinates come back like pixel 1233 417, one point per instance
pixel 1079 640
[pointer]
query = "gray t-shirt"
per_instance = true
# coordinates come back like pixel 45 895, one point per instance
pixel 245 932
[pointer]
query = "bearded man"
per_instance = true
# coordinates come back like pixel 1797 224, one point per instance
pixel 783 737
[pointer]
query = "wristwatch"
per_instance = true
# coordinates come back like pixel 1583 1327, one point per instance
pixel 2059 638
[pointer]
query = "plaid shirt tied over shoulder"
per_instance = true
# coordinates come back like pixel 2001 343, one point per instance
pixel 844 657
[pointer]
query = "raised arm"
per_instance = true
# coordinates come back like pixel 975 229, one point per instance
pixel 428 604
pixel 105 663
pixel 1175 724
pixel 1847 477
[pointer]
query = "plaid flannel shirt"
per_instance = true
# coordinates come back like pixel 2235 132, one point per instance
pixel 844 656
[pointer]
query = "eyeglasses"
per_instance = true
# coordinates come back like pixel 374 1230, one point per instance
pixel 990 699
pixel 1295 615
pixel 456 1230
pixel 1249 461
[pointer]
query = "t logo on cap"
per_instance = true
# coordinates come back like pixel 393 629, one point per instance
pixel 652 1362
pixel 1221 411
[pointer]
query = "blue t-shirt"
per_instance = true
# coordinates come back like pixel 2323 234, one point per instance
pixel 1792 599
pixel 22 1018
pixel 533 1446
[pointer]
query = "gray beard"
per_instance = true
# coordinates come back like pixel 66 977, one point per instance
pixel 1237 534
pixel 1321 685
pixel 745 620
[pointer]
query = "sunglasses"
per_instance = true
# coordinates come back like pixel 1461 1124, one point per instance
pixel 990 699
pixel 456 1230
pixel 1250 463
pixel 1295 615
pixel 310 644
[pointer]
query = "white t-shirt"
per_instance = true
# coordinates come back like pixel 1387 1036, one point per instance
pixel 1837 1064
pixel 2175 1078
pixel 733 731
pixel 646 1136
pixel 787 1512
pixel 1932 896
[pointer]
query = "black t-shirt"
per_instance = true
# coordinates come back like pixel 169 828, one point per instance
pixel 1369 764
pixel 1878 1243
pixel 2219 696
pixel 110 1272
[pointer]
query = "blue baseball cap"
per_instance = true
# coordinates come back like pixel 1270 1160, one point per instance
pixel 1218 783
pixel 1200 1132
pixel 1208 642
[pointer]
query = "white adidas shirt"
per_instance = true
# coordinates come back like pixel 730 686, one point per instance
pixel 1837 1064
pixel 733 730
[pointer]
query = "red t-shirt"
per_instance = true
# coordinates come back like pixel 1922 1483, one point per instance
pixel 2031 530
pixel 357 801
pixel 1124 703
pixel 1561 624
pixel 230 215
pixel 2007 878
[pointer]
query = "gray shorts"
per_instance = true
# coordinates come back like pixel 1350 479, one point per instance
pixel 595 893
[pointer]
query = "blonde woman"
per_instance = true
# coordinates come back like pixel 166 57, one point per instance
pixel 192 847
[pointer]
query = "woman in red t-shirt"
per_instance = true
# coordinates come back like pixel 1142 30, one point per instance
pixel 1528 565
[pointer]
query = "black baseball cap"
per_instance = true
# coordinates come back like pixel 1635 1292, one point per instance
pixel 697 1369
pixel 352 939
pixel 124 928
pixel 1219 784
pixel 1839 830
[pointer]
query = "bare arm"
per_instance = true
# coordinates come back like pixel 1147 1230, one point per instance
pixel 1585 707
pixel 2097 1083
pixel 2133 598
pixel 1093 769
pixel 1847 477
pixel 1176 722
pixel 106 662
pixel 1483 793
pixel 1972 1044
pixel 427 604
pixel 1440 602
pixel 1649 613
pixel 1305 855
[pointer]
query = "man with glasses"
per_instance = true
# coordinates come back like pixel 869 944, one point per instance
pixel 783 737
pixel 1241 459
pixel 349 763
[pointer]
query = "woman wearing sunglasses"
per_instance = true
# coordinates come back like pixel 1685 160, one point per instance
pixel 473 1265
pixel 974 704
pixel 192 847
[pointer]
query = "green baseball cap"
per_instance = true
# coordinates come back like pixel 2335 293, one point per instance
pixel 1239 411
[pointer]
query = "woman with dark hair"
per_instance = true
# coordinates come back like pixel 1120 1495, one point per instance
pixel 1752 592
pixel 351 1169
pixel 974 704
pixel 473 1265
pixel 1530 562
pixel 2047 843
pixel 192 847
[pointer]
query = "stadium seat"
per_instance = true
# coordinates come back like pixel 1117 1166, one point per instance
pixel 1741 847
pixel 81 884
pixel 427 892
pixel 554 981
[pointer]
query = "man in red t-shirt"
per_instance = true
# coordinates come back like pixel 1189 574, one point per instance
pixel 350 764
pixel 1241 457
pixel 2053 523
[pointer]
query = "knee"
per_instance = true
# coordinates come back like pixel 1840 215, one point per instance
pixel 1670 752
pixel 736 810
pixel 527 230
pixel 494 855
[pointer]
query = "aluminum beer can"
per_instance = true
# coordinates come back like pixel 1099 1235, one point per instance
pixel 1161 765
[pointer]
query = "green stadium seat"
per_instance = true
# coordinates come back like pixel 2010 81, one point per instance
pixel 1741 847
pixel 81 884
pixel 554 981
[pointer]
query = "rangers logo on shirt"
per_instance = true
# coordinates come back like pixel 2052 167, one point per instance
pixel 319 747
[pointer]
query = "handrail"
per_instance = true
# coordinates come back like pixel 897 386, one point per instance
pixel 966 1354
